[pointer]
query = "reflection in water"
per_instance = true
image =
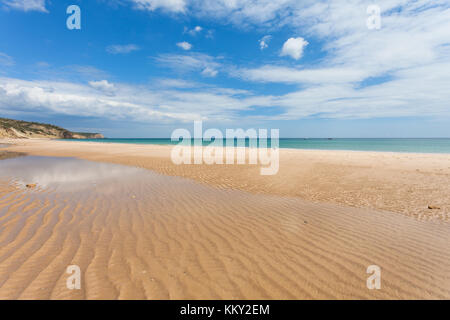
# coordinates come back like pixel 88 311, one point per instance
pixel 68 174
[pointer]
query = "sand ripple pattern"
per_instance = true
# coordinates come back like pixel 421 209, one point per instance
pixel 148 236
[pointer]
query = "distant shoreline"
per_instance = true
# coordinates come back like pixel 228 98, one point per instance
pixel 401 145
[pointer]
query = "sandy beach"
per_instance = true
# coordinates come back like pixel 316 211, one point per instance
pixel 141 227
pixel 406 183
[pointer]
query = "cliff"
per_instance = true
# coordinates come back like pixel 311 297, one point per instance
pixel 25 130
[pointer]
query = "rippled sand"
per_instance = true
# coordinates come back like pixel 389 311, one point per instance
pixel 139 235
pixel 405 183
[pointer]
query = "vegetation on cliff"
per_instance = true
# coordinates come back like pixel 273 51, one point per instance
pixel 10 128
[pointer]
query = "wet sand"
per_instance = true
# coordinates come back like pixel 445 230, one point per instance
pixel 138 234
pixel 398 182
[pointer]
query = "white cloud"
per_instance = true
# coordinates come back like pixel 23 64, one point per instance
pixel 104 86
pixel 294 47
pixel 410 55
pixel 195 62
pixel 6 60
pixel 414 36
pixel 209 72
pixel 412 92
pixel 193 32
pixel 264 42
pixel 240 12
pixel 26 5
pixel 270 73
pixel 167 5
pixel 138 103
pixel 176 83
pixel 184 45
pixel 122 49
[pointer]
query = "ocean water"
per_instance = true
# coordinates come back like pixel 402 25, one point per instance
pixel 414 145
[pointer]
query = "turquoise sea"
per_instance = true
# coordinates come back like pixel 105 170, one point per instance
pixel 416 145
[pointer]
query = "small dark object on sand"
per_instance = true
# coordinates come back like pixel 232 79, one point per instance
pixel 433 207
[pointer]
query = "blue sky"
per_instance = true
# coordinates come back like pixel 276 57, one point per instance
pixel 142 68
